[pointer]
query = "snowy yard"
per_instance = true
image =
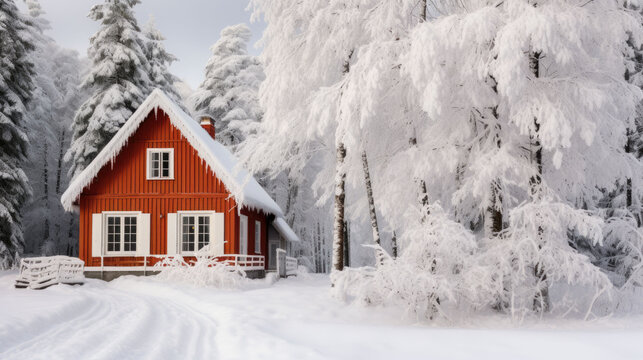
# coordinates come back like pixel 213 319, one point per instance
pixel 133 318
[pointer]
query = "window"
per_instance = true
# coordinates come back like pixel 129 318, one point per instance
pixel 121 233
pixel 243 235
pixel 160 164
pixel 195 232
pixel 257 237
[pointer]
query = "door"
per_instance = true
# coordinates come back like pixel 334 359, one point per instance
pixel 243 235
pixel 272 254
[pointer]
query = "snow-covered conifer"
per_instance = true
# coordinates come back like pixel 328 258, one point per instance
pixel 229 93
pixel 16 85
pixel 118 81
pixel 159 60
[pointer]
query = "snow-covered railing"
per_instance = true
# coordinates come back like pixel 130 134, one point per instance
pixel 286 265
pixel 146 263
pixel 41 272
pixel 291 266
pixel 246 262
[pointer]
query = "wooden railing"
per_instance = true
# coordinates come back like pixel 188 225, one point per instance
pixel 286 265
pixel 246 262
pixel 41 272
pixel 291 266
pixel 146 263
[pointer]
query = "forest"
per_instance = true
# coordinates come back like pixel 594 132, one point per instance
pixel 442 156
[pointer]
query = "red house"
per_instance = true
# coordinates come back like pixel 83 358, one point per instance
pixel 164 186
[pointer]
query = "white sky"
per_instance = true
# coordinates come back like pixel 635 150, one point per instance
pixel 190 27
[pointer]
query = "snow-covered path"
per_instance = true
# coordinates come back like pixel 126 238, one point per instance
pixel 133 318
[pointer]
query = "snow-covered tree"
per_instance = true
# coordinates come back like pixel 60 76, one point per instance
pixel 58 74
pixel 544 120
pixel 229 92
pixel 118 81
pixel 512 116
pixel 318 99
pixel 159 60
pixel 16 85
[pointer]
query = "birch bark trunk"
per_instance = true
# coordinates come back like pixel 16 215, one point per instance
pixel 541 299
pixel 371 207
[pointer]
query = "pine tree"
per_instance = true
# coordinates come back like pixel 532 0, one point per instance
pixel 229 92
pixel 118 81
pixel 16 85
pixel 159 60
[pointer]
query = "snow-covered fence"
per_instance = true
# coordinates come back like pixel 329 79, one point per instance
pixel 286 265
pixel 243 262
pixel 41 272
pixel 291 266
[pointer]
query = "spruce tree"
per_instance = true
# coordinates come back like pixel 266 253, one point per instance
pixel 118 81
pixel 229 91
pixel 16 85
pixel 159 60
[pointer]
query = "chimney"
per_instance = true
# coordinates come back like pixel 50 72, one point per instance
pixel 208 124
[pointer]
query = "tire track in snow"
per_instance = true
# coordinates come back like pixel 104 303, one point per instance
pixel 118 324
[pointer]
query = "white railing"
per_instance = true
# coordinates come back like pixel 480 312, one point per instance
pixel 291 266
pixel 41 272
pixel 286 265
pixel 144 263
pixel 246 262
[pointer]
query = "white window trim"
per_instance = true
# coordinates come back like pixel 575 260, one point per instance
pixel 122 214
pixel 257 238
pixel 179 230
pixel 148 170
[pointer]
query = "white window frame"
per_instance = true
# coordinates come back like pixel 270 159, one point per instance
pixel 195 214
pixel 257 237
pixel 148 162
pixel 243 239
pixel 122 215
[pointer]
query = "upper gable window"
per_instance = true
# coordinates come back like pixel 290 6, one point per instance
pixel 160 164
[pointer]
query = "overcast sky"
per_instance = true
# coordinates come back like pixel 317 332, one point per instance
pixel 190 27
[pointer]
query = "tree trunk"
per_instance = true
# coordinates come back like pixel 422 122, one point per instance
pixel 423 4
pixel 59 168
pixel 340 196
pixel 45 197
pixel 324 253
pixel 541 300
pixel 347 244
pixel 628 181
pixel 340 189
pixel 493 214
pixel 394 245
pixel 371 207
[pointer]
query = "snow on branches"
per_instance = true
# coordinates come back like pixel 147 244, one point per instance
pixel 514 116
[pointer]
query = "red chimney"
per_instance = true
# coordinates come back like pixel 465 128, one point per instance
pixel 208 124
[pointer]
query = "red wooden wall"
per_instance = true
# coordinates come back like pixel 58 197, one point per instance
pixel 122 186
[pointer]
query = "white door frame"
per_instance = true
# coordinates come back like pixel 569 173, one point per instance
pixel 243 235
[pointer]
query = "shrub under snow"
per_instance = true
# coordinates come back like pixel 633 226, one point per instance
pixel 426 277
pixel 205 271
pixel 444 270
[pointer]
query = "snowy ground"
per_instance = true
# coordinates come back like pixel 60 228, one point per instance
pixel 133 318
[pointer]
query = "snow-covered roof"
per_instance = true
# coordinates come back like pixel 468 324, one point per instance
pixel 282 227
pixel 243 187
